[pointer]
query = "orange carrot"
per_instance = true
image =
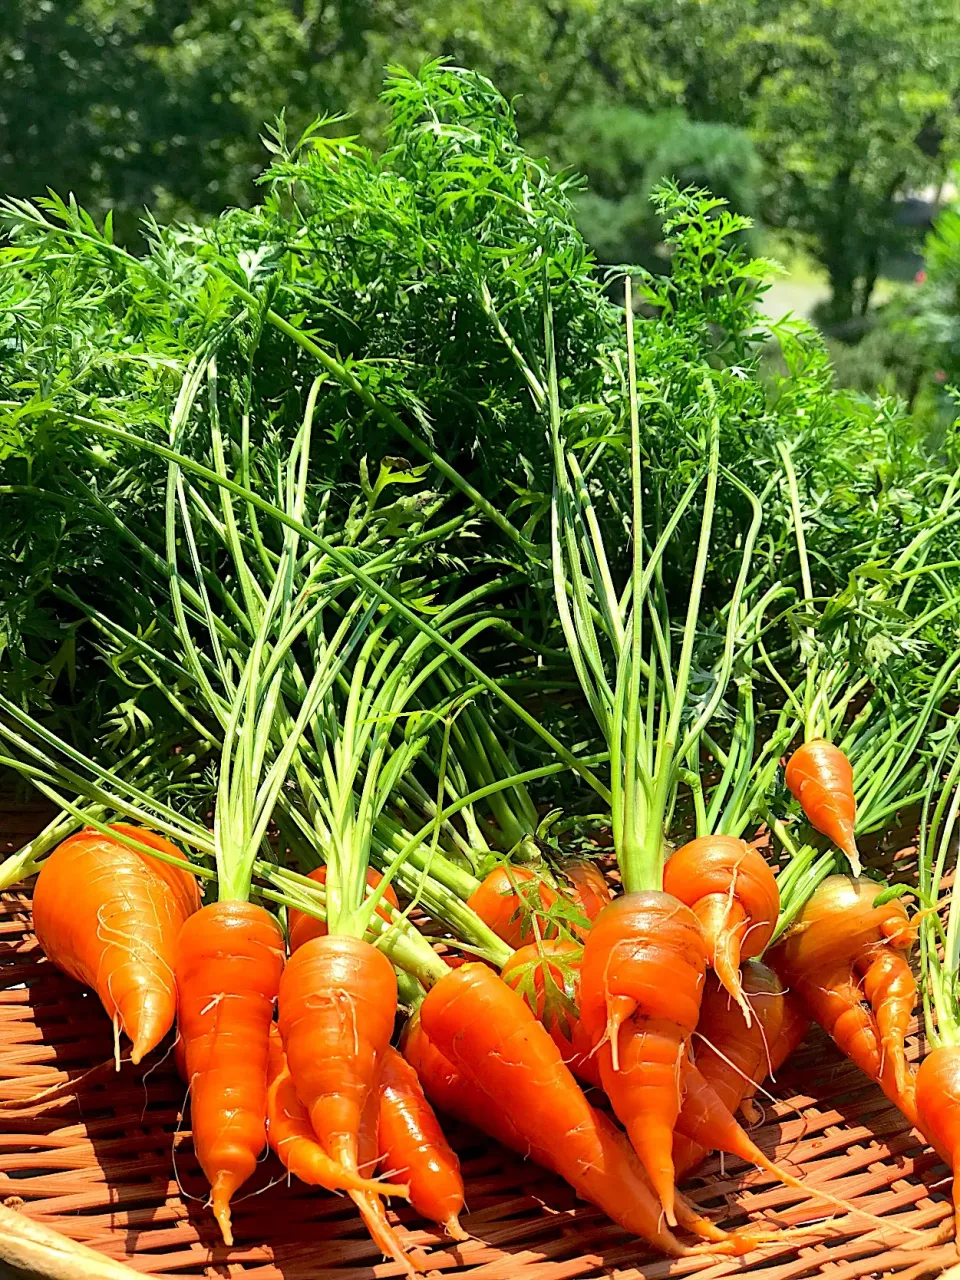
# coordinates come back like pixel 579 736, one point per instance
pixel 490 1035
pixel 302 927
pixel 732 891
pixel 524 971
pixel 110 918
pixel 499 904
pixel 841 949
pixel 338 1002
pixel 229 961
pixel 641 980
pixel 371 1208
pixel 793 1029
pixel 292 1138
pixel 732 1056
pixel 589 888
pixel 413 1145
pixel 821 778
pixel 938 1111
pixel 595 1160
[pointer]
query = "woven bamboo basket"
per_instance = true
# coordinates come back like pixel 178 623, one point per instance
pixel 105 1158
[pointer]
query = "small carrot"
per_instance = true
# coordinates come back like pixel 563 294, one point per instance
pixel 110 918
pixel 641 980
pixel 302 927
pixel 371 1208
pixel 500 904
pixel 820 777
pixel 229 961
pixel 841 949
pixel 524 972
pixel 413 1145
pixel 292 1138
pixel 338 1002
pixel 732 891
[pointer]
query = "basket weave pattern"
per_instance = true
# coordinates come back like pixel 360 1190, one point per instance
pixel 106 1159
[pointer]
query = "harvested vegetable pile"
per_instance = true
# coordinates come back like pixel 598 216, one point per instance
pixel 374 586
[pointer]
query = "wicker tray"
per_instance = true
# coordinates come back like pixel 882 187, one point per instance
pixel 106 1159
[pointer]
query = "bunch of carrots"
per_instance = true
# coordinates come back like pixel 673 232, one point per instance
pixel 414 796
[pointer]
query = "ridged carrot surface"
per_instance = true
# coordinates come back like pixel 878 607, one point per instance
pixel 229 961
pixel 732 891
pixel 842 950
pixel 110 918
pixel 641 981
pixel 338 1002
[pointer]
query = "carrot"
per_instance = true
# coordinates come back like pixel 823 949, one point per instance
pixel 488 1033
pixel 938 1111
pixel 502 906
pixel 229 961
pixel 731 1055
pixel 596 1160
pixel 641 981
pixel 841 950
pixel 110 917
pixel 292 1138
pixel 371 1207
pixel 732 891
pixel 524 972
pixel 820 777
pixel 412 1143
pixel 588 885
pixel 338 1001
pixel 794 1025
pixel 302 927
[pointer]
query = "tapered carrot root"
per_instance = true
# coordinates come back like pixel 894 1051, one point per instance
pixel 641 981
pixel 487 1032
pixel 732 891
pixel 499 904
pixel 412 1145
pixel 938 1112
pixel 338 1002
pixel 821 778
pixel 229 961
pixel 524 971
pixel 110 918
pixel 732 1056
pixel 292 1138
pixel 302 927
pixel 842 949
pixel 371 1206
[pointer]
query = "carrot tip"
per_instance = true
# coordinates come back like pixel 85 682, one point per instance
pixel 454 1230
pixel 221 1211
